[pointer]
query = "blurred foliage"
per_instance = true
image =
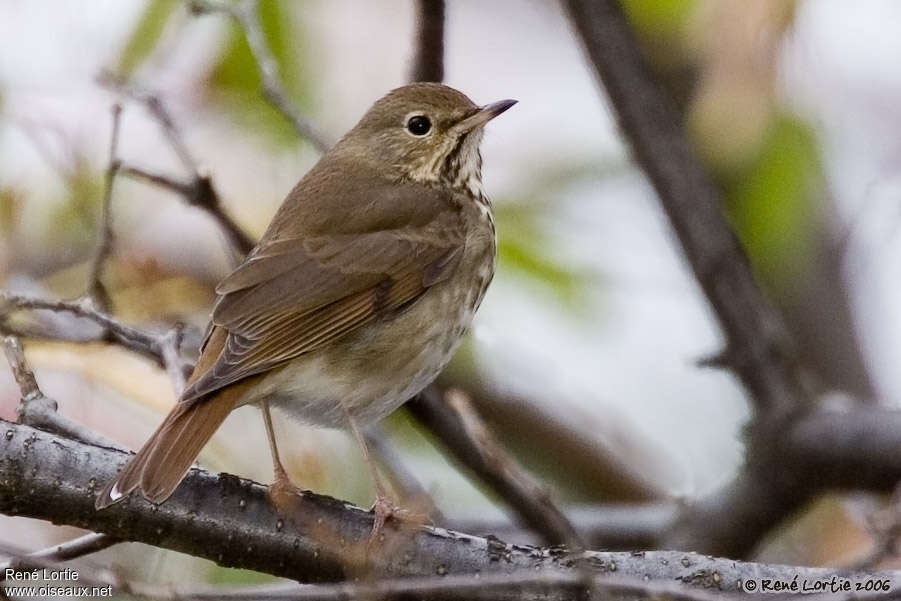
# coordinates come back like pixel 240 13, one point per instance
pixel 664 17
pixel 146 34
pixel 223 576
pixel 662 27
pixel 523 250
pixel 11 202
pixel 774 201
pixel 73 222
pixel 765 159
pixel 524 246
pixel 236 79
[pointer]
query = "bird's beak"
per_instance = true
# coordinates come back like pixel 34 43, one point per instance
pixel 483 115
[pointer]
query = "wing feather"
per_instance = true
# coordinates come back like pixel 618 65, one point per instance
pixel 294 296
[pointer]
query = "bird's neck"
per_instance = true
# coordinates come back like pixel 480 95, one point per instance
pixel 462 167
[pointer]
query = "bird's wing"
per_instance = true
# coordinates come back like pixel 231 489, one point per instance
pixel 295 295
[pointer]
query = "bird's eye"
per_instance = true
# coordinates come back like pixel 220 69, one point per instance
pixel 419 125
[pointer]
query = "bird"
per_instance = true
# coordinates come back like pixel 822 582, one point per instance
pixel 356 296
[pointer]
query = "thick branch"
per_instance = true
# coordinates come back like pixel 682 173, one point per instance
pixel 821 452
pixel 468 441
pixel 231 521
pixel 758 346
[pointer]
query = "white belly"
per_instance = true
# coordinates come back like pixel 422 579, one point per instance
pixel 387 371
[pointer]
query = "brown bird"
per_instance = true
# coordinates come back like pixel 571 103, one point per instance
pixel 356 296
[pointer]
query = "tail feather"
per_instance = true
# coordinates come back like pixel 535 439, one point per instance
pixel 166 457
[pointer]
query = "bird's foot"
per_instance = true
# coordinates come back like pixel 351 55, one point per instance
pixel 384 509
pixel 282 492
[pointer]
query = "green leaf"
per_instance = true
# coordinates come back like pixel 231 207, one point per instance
pixel 75 220
pixel 145 36
pixel 774 202
pixel 236 79
pixel 526 259
pixel 659 16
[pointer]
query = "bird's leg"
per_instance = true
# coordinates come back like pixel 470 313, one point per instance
pixel 281 488
pixel 384 507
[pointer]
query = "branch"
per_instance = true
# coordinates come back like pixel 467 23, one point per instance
pixel 199 190
pixel 758 348
pixel 757 343
pixel 614 526
pixel 428 63
pixel 455 423
pixel 484 457
pixel 36 408
pixel 136 340
pixel 247 15
pixel 231 521
pixel 75 548
pixel 162 348
pixel 96 290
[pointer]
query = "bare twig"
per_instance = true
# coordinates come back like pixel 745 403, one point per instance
pixel 139 341
pixel 428 61
pixel 22 373
pixel 246 13
pixel 552 585
pixel 199 190
pixel 549 584
pixel 162 348
pixel 453 421
pixel 37 409
pixel 96 291
pixel 176 368
pixel 78 547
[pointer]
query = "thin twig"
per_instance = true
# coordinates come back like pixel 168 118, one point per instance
pixel 552 584
pixel 72 549
pixel 246 13
pixel 22 374
pixel 525 585
pixel 428 61
pixel 96 291
pixel 37 409
pixel 139 341
pixel 162 348
pixel 613 526
pixel 171 354
pixel 199 191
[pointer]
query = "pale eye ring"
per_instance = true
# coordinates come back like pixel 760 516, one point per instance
pixel 419 125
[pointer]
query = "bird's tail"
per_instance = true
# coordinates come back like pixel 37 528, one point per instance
pixel 166 457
